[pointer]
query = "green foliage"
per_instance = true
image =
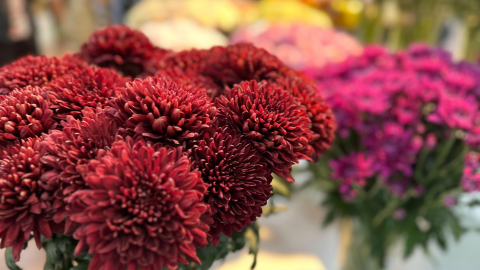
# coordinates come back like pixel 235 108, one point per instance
pixel 11 264
pixel 60 250
pixel 438 170
pixel 209 254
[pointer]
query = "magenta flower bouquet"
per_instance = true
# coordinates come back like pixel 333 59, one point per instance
pixel 129 156
pixel 406 122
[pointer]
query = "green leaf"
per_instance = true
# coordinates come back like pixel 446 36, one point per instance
pixel 59 251
pixel 11 264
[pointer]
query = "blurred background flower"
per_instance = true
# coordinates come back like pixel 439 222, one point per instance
pixel 319 38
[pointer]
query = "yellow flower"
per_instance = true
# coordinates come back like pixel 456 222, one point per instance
pixel 289 11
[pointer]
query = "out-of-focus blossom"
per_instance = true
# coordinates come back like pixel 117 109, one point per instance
pixel 353 169
pixel 456 112
pixel 36 71
pixel 300 46
pixel 395 104
pixel 292 11
pixel 450 201
pixel 120 48
pixel 471 172
pixel 165 34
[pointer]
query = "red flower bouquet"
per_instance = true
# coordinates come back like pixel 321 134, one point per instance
pixel 128 156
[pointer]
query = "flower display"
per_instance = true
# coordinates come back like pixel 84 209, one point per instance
pixel 128 156
pixel 36 71
pixel 238 182
pixel 405 120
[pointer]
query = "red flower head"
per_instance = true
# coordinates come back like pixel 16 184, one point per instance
pixel 90 87
pixel 36 71
pixel 163 111
pixel 320 114
pixel 238 182
pixel 143 209
pixel 203 84
pixel 271 120
pixel 121 48
pixel 24 205
pixel 195 60
pixel 245 62
pixel 78 143
pixel 24 113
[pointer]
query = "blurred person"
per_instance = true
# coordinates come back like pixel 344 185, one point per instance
pixel 17 37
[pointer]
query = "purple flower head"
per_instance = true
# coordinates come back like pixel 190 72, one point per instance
pixel 406 111
pixel 418 190
pixel 398 187
pixel 399 214
pixel 456 112
pixel 430 141
pixel 393 148
pixel 471 172
pixel 354 168
pixel 450 201
pixel 458 82
pixel 395 104
pixel 345 114
pixel 370 99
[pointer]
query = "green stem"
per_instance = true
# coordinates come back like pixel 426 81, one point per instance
pixel 385 212
pixel 418 174
pixel 441 158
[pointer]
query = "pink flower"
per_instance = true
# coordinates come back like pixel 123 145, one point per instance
pixel 456 112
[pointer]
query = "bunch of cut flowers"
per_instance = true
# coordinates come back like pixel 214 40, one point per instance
pixel 406 147
pixel 129 156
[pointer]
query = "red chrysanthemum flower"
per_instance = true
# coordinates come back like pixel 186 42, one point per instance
pixel 25 113
pixel 271 120
pixel 163 111
pixel 320 114
pixel 142 210
pixel 91 87
pixel 195 60
pixel 239 184
pixel 25 207
pixel 244 62
pixel 36 71
pixel 203 84
pixel 121 48
pixel 78 143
